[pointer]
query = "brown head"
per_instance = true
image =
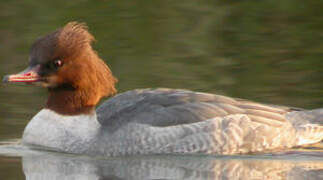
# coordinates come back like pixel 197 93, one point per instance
pixel 65 63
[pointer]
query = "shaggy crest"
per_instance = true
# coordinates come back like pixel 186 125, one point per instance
pixel 74 38
pixel 89 76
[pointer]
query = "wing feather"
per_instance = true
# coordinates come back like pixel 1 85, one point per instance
pixel 168 107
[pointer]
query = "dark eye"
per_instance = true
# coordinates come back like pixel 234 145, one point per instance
pixel 58 63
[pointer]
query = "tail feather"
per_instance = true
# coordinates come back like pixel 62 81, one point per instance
pixel 308 125
pixel 309 134
pixel 298 118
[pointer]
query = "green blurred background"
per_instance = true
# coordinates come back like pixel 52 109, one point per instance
pixel 268 51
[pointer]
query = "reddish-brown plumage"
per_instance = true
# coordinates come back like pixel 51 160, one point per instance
pixel 83 79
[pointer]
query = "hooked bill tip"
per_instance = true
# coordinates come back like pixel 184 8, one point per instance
pixel 5 79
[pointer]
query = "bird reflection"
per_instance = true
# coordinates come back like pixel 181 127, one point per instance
pixel 51 166
pixel 39 165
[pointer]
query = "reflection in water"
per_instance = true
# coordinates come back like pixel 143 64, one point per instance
pixel 47 165
pixel 268 51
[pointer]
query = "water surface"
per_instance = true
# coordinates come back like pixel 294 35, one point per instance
pixel 267 51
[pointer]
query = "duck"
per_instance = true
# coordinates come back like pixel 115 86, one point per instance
pixel 145 121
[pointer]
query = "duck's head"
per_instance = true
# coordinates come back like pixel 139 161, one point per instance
pixel 65 63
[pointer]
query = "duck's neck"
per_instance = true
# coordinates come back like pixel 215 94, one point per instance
pixel 66 133
pixel 66 100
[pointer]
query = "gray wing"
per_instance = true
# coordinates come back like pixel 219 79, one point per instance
pixel 183 121
pixel 169 107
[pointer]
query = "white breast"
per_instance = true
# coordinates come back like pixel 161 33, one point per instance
pixel 50 130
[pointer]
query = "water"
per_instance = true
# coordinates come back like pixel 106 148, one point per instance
pixel 267 51
pixel 49 165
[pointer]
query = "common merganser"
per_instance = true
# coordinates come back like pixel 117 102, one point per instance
pixel 147 121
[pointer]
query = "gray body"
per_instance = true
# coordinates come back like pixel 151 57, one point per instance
pixel 175 121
